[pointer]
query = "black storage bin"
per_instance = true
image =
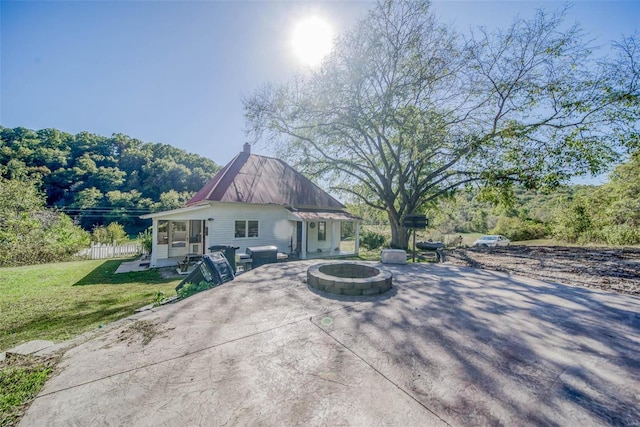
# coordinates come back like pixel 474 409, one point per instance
pixel 229 253
pixel 213 268
pixel 261 255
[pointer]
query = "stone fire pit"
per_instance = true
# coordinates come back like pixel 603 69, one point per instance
pixel 348 278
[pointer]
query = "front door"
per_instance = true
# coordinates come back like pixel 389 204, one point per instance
pixel 298 237
pixel 196 236
pixel 178 243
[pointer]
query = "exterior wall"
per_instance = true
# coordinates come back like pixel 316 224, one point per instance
pixel 274 227
pixel 315 244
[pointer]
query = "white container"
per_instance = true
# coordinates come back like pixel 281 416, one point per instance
pixel 394 256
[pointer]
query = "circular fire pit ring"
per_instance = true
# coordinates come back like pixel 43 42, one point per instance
pixel 348 278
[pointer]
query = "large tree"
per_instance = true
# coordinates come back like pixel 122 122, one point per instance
pixel 405 110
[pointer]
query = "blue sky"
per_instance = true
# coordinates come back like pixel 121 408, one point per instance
pixel 175 72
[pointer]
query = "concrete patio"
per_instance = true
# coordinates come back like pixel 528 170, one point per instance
pixel 446 346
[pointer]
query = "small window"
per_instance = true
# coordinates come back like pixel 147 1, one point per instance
pixel 241 229
pixel 253 228
pixel 246 229
pixel 163 232
pixel 322 231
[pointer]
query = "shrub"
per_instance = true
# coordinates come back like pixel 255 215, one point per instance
pixel 372 240
pixel 113 232
pixel 622 234
pixel 189 289
pixel 520 229
pixel 146 240
pixel 31 233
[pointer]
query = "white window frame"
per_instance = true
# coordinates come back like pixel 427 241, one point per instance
pixel 246 228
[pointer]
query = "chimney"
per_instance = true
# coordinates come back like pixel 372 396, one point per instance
pixel 246 148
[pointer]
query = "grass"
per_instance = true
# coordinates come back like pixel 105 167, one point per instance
pixel 21 378
pixel 59 301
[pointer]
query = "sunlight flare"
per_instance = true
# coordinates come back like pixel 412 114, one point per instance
pixel 312 40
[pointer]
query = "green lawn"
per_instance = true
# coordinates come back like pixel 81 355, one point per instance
pixel 59 301
pixel 21 378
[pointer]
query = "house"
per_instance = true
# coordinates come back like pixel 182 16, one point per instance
pixel 254 201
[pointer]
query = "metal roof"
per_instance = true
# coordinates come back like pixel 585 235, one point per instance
pixel 325 216
pixel 250 178
pixel 190 208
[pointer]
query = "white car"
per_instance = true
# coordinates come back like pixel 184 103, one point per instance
pixel 494 240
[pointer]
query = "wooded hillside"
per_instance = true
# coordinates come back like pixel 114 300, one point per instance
pixel 99 179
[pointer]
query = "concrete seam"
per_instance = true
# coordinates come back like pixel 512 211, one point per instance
pixel 411 396
pixel 302 319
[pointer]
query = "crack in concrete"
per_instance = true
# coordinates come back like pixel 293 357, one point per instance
pixel 411 396
pixel 299 320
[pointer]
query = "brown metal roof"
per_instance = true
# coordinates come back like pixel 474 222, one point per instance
pixel 250 178
pixel 326 216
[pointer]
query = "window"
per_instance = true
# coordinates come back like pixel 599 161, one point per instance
pixel 163 232
pixel 246 229
pixel 241 229
pixel 322 231
pixel 178 234
pixel 253 228
pixel 195 231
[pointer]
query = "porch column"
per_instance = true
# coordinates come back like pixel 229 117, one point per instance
pixel 154 243
pixel 303 253
pixel 333 236
pixel 356 250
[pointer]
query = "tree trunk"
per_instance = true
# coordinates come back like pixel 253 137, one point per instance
pixel 399 234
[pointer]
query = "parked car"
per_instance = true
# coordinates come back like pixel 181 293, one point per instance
pixel 493 240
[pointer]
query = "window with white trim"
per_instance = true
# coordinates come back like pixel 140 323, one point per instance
pixel 246 228
pixel 322 231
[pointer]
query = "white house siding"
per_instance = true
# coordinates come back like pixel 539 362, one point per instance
pixel 332 237
pixel 274 228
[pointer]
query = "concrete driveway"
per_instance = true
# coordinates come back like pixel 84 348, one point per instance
pixel 447 346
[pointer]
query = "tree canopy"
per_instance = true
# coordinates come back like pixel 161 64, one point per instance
pixel 405 110
pixel 100 179
pixel 31 233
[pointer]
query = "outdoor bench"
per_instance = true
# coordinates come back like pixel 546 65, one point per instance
pixel 188 261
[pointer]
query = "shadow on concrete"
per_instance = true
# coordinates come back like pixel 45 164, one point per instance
pixel 539 349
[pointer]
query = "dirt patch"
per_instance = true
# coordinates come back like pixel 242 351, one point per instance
pixel 140 331
pixel 597 268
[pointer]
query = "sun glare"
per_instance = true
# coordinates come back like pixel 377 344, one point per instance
pixel 312 40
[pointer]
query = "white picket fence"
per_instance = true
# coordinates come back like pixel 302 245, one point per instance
pixel 112 250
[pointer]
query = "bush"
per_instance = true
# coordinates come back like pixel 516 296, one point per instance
pixel 146 240
pixel 372 240
pixel 189 289
pixel 113 232
pixel 31 233
pixel 520 229
pixel 616 235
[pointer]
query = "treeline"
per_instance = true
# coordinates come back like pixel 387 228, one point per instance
pixel 98 180
pixel 605 214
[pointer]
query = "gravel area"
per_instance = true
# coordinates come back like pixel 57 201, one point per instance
pixel 608 269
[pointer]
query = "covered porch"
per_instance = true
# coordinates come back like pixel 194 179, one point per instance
pixel 319 234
